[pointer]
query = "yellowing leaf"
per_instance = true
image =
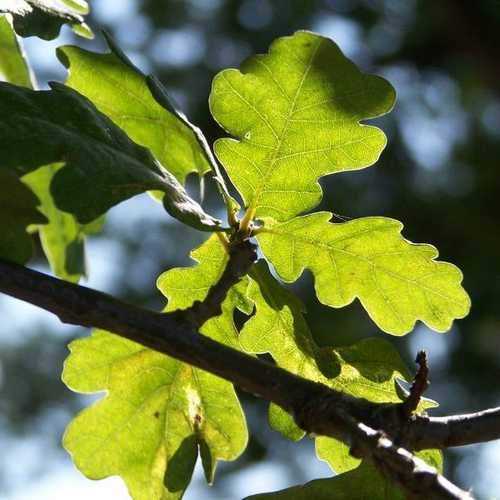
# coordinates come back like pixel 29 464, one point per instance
pixel 397 282
pixel 296 113
pixel 159 413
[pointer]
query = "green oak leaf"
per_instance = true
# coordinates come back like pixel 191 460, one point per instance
pixel 13 65
pixel 44 18
pixel 364 482
pixel 18 203
pixel 336 454
pixel 18 209
pixel 396 281
pixel 62 238
pixel 122 92
pixel 296 113
pixel 102 165
pixel 369 369
pixel 159 413
pixel 183 286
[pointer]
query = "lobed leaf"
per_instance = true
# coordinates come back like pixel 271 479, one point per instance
pixel 44 18
pixel 102 165
pixel 295 113
pixel 396 281
pixel 369 369
pixel 17 203
pixel 363 482
pixel 122 92
pixel 62 238
pixel 160 413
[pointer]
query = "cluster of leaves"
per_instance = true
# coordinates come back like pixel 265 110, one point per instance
pixel 295 115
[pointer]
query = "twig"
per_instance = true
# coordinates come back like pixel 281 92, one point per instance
pixel 425 432
pixel 419 386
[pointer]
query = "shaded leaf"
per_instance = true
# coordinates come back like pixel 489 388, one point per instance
pixel 362 483
pixel 159 413
pixel 18 205
pixel 62 238
pixel 18 209
pixel 102 165
pixel 121 91
pixel 296 114
pixel 44 18
pixel 396 281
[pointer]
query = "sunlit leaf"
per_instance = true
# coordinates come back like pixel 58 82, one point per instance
pixel 367 369
pixel 122 92
pixel 102 165
pixel 13 65
pixel 397 282
pixel 44 18
pixel 159 413
pixel 295 113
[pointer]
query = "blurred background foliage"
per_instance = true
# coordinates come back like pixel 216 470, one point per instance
pixel 439 175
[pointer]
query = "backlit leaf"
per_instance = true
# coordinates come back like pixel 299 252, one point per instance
pixel 397 282
pixel 159 413
pixel 295 113
pixel 121 91
pixel 13 65
pixel 62 236
pixel 367 369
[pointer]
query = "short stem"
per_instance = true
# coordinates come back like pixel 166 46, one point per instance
pixel 246 221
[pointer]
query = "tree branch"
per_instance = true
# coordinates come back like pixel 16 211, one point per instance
pixel 420 480
pixel 317 408
pixel 425 432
